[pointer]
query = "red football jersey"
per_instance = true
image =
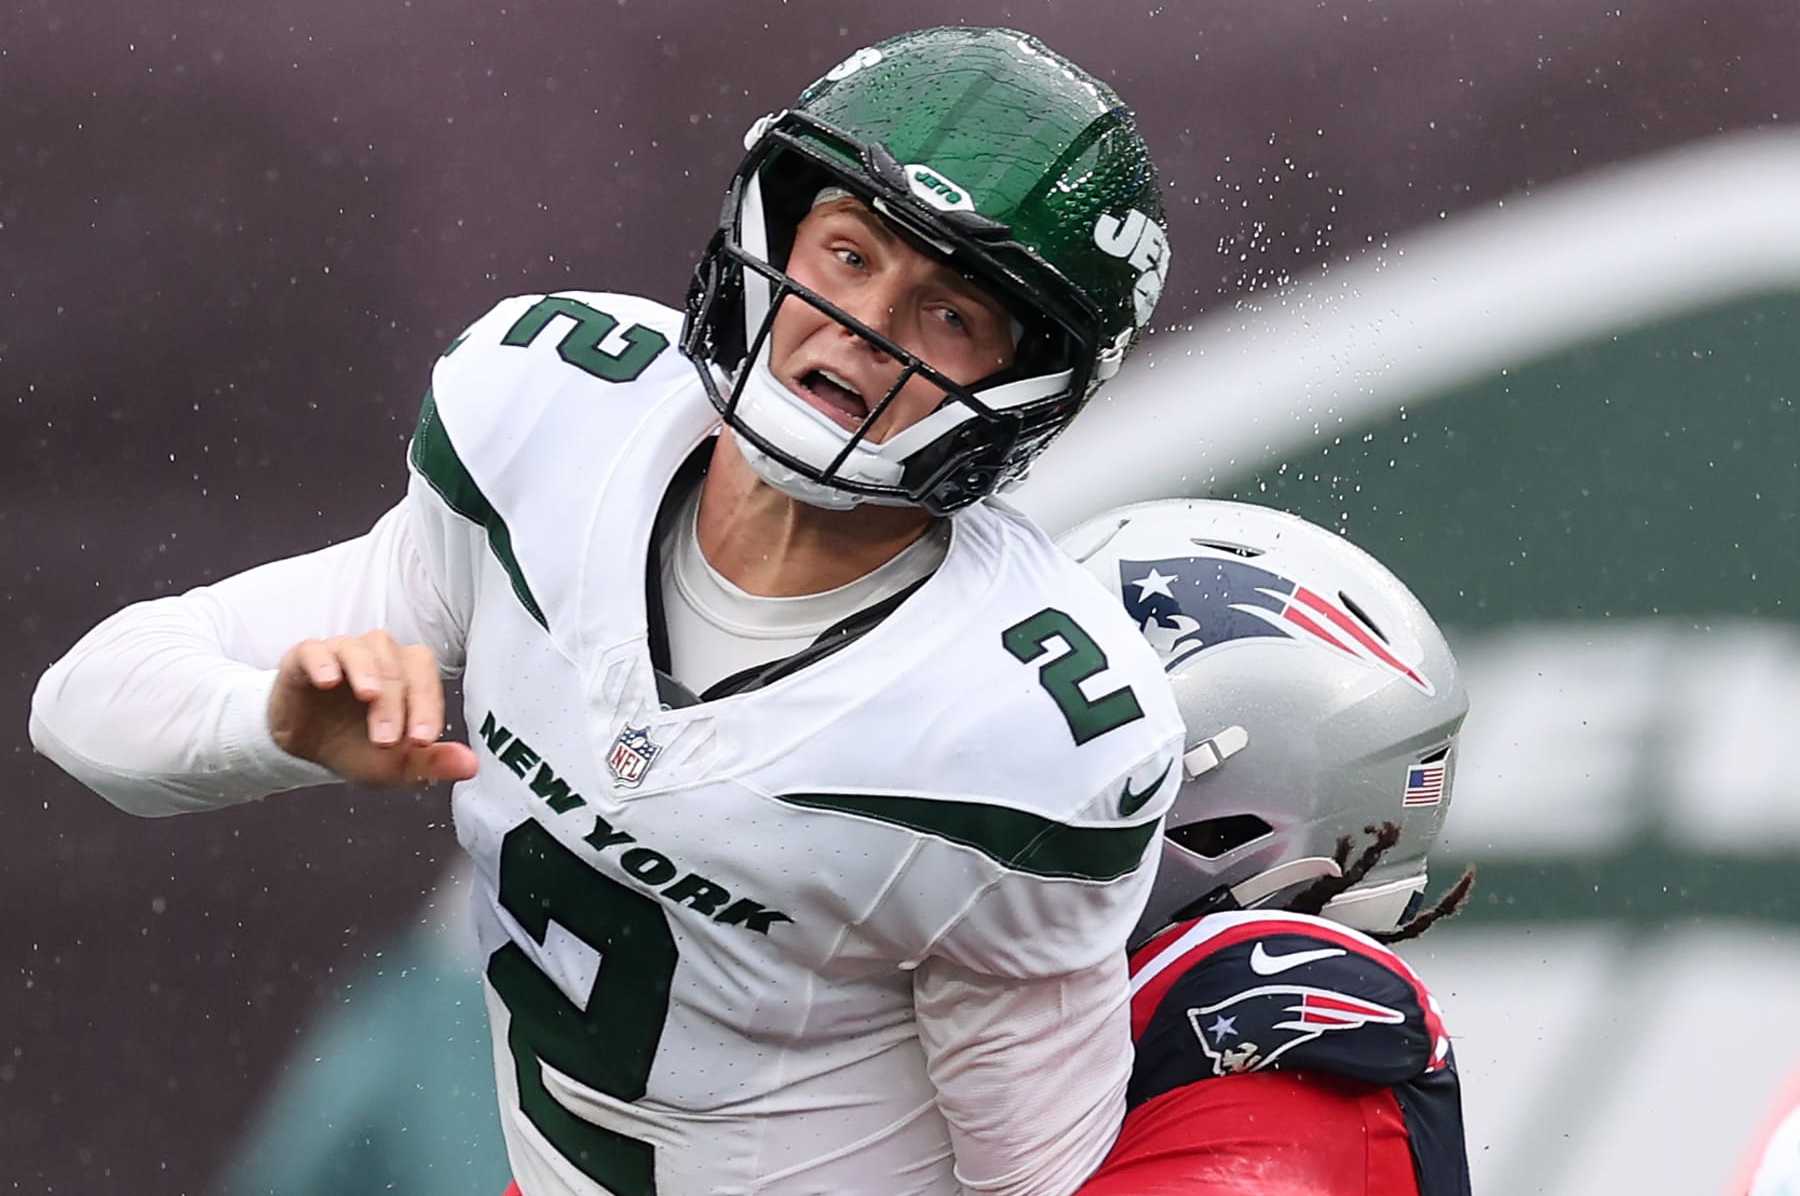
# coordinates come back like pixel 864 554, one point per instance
pixel 1264 1134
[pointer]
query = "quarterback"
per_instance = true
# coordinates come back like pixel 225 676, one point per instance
pixel 811 795
pixel 1278 1052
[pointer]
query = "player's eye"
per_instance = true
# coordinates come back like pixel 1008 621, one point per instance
pixel 952 319
pixel 850 257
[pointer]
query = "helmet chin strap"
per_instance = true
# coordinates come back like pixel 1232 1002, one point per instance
pixel 1283 876
pixel 1375 907
pixel 1366 907
pixel 794 484
pixel 782 477
pixel 1247 893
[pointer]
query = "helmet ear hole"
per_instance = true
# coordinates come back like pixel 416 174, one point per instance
pixel 1211 838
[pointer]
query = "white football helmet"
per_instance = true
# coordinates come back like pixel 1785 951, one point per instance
pixel 1320 700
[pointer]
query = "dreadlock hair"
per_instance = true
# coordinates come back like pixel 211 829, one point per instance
pixel 1315 897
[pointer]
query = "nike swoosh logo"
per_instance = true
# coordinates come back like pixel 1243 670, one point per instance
pixel 1264 964
pixel 1130 803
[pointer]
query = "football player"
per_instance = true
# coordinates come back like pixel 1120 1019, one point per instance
pixel 1278 1051
pixel 770 899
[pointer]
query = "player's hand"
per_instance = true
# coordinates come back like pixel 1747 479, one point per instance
pixel 367 708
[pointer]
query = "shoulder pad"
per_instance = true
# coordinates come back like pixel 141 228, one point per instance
pixel 1244 992
pixel 545 345
pixel 531 406
pixel 1059 666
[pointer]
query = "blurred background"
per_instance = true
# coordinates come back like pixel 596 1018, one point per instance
pixel 1505 291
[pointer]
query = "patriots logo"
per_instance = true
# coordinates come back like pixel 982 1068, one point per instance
pixel 1253 1029
pixel 1188 605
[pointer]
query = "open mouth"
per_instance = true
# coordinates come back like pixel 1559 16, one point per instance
pixel 835 396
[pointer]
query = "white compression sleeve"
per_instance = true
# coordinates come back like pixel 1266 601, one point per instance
pixel 1030 1073
pixel 162 708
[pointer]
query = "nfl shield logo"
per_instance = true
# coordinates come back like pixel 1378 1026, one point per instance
pixel 631 756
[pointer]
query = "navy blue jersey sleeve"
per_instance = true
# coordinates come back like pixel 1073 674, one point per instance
pixel 1431 1105
pixel 1285 996
pixel 1238 993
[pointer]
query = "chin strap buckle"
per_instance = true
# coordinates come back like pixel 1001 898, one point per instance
pixel 1210 753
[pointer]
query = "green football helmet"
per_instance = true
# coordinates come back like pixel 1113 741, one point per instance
pixel 990 151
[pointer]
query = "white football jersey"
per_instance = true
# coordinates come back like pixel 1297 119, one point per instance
pixel 701 922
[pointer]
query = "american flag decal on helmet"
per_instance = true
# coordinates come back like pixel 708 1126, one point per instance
pixel 1425 781
pixel 1189 605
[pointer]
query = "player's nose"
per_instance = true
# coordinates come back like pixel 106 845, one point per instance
pixel 877 308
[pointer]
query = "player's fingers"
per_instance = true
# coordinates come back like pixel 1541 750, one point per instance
pixel 315 661
pixel 384 651
pixel 442 762
pixel 372 662
pixel 357 658
pixel 387 713
pixel 424 693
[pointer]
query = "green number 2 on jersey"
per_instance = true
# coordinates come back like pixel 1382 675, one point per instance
pixel 1062 676
pixel 606 1041
pixel 581 345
